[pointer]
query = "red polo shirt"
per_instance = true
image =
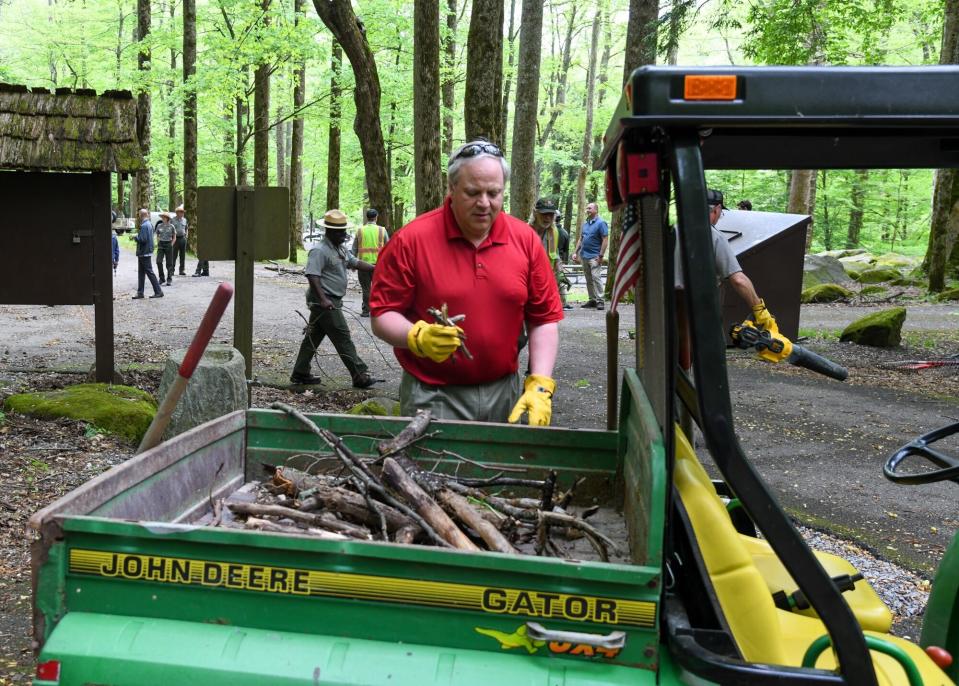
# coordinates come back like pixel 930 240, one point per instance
pixel 500 284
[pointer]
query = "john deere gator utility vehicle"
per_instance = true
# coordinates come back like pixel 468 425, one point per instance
pixel 131 586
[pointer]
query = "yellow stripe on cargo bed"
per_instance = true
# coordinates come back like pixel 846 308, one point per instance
pixel 310 582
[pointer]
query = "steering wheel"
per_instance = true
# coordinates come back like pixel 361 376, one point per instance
pixel 921 446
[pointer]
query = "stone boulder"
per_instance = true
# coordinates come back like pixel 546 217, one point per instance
pixel 879 329
pixel 875 289
pixel 120 410
pixel 825 293
pixel 218 387
pixel 820 269
pixel 853 264
pixel 894 259
pixel 948 294
pixel 879 275
pixel 847 252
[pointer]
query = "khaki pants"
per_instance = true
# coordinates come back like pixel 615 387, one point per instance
pixel 489 402
pixel 593 271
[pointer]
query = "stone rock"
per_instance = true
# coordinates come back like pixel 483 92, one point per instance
pixel 857 263
pixel 119 410
pixel 879 329
pixel 948 294
pixel 218 387
pixel 847 252
pixel 873 290
pixel 819 269
pixel 825 293
pixel 893 259
pixel 879 275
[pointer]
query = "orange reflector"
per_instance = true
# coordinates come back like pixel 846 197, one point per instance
pixel 940 656
pixel 709 87
pixel 629 95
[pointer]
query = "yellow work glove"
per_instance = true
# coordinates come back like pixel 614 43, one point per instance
pixel 537 400
pixel 763 319
pixel 768 355
pixel 434 341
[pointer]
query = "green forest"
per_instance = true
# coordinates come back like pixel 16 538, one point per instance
pixel 358 104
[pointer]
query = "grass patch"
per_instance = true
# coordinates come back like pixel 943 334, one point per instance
pixel 821 334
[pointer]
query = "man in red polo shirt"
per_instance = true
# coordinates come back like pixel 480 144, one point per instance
pixel 485 264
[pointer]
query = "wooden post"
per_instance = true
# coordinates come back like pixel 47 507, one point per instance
pixel 243 278
pixel 612 369
pixel 102 276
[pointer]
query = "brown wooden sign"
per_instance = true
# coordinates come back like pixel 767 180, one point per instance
pixel 217 218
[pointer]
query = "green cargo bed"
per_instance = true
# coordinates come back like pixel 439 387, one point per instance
pixel 124 553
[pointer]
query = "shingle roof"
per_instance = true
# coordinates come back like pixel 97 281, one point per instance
pixel 68 130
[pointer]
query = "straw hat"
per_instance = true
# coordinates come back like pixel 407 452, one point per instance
pixel 166 213
pixel 334 219
pixel 179 208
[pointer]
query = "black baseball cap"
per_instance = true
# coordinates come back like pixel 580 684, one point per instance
pixel 714 197
pixel 544 205
pixel 372 213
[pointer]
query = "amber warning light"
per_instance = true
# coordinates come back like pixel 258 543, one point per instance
pixel 709 87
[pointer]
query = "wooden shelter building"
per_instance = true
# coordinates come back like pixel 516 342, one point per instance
pixel 57 151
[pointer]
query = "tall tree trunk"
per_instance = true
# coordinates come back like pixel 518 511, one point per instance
pixel 484 72
pixel 522 181
pixel 338 16
pixel 677 20
pixel 799 189
pixel 391 128
pixel 229 145
pixel 296 146
pixel 508 76
pixel 143 193
pixel 261 116
pixel 280 132
pixel 173 194
pixel 190 181
pixel 602 76
pixel 426 105
pixel 857 197
pixel 586 155
pixel 121 207
pixel 333 141
pixel 945 204
pixel 242 114
pixel 448 89
pixel 560 78
pixel 641 36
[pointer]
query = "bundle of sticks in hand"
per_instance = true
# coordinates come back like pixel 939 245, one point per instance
pixel 391 498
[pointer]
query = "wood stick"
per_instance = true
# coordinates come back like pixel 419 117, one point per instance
pixel 354 506
pixel 323 521
pixel 413 431
pixel 360 470
pixel 403 483
pixel 295 480
pixel 406 535
pixel 470 516
pixel 266 525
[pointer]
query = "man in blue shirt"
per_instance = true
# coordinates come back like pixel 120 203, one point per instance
pixel 590 250
pixel 144 240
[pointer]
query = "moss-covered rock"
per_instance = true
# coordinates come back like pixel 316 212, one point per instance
pixel 949 294
pixel 894 259
pixel 879 329
pixel 819 269
pixel 845 252
pixel 907 281
pixel 873 290
pixel 879 275
pixel 825 293
pixel 120 410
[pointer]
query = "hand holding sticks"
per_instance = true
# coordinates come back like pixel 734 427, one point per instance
pixel 442 316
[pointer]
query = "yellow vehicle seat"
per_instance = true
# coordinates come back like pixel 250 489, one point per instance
pixel 762 632
pixel 865 603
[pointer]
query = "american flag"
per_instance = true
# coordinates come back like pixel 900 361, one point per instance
pixel 630 249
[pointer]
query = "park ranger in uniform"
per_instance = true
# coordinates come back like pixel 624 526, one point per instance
pixel 367 245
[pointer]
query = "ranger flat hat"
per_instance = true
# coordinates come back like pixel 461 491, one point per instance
pixel 179 208
pixel 544 205
pixel 334 219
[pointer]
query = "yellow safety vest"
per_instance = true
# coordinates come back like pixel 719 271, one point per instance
pixel 372 238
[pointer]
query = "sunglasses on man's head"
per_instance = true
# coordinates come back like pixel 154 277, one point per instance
pixel 474 149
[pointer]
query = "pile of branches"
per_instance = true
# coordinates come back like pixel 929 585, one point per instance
pixel 391 498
